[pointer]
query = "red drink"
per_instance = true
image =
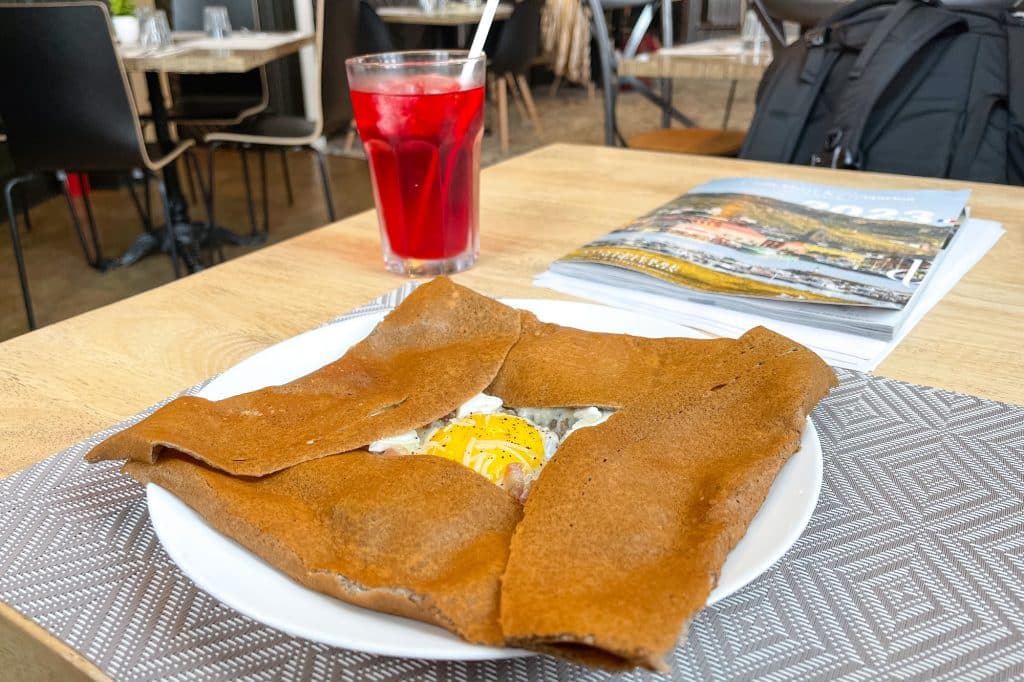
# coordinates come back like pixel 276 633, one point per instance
pixel 422 133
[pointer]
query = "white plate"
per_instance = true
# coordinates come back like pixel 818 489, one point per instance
pixel 243 581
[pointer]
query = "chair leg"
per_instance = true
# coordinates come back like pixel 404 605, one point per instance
pixel 287 178
pixel 264 199
pixel 193 163
pixel 254 230
pixel 144 215
pixel 326 180
pixel 554 86
pixel 515 95
pixel 24 212
pixel 191 178
pixel 350 138
pixel 91 223
pixel 216 244
pixel 502 114
pixel 90 257
pixel 19 257
pixel 728 105
pixel 531 107
pixel 172 242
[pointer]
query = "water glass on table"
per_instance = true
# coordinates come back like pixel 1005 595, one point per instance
pixel 216 22
pixel 420 116
pixel 155 32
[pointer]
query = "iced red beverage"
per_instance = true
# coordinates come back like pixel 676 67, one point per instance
pixel 421 131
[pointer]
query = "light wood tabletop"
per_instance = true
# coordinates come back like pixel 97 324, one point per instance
pixel 64 382
pixel 193 53
pixel 719 59
pixel 453 14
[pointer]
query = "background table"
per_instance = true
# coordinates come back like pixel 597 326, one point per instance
pixel 717 59
pixel 185 59
pixel 73 378
pixel 454 14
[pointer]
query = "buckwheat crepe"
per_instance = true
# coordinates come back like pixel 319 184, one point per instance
pixel 442 346
pixel 622 536
pixel 420 537
pixel 627 528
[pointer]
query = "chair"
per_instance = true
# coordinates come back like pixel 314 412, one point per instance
pixel 336 25
pixel 516 47
pixel 373 38
pixel 73 110
pixel 203 102
pixel 217 99
pixel 689 140
pixel 374 35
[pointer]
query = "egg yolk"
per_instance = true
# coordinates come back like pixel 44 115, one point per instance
pixel 488 443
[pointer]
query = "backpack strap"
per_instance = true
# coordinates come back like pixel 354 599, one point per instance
pixel 1015 53
pixel 974 132
pixel 909 26
pixel 788 93
pixel 1015 96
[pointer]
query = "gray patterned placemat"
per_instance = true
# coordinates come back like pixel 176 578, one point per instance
pixel 912 566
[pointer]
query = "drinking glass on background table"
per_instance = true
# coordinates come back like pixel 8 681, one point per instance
pixel 420 116
pixel 155 32
pixel 216 22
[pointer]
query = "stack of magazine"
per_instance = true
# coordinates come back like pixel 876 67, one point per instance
pixel 846 272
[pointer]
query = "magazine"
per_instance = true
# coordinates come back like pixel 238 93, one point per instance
pixel 829 258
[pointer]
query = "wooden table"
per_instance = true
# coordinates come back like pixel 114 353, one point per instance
pixel 698 60
pixel 184 59
pixel 453 14
pixel 66 381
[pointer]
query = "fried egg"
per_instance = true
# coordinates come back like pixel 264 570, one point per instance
pixel 508 446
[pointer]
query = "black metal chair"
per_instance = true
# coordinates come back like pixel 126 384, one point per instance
pixel 205 102
pixel 517 45
pixel 71 109
pixel 217 99
pixel 374 36
pixel 688 140
pixel 336 26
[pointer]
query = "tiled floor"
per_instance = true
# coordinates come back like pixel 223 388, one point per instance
pixel 63 285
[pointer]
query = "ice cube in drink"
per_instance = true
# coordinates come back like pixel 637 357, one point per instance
pixel 422 138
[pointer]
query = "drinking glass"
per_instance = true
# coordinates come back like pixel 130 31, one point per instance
pixel 216 22
pixel 753 37
pixel 420 116
pixel 155 31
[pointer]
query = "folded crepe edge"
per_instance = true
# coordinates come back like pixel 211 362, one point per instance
pixel 393 599
pixel 133 444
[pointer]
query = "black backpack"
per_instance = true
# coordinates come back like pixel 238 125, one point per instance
pixel 902 87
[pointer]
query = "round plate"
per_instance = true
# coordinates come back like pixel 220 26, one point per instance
pixel 243 581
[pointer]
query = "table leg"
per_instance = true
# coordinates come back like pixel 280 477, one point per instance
pixel 179 237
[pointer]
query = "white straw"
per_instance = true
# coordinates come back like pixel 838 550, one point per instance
pixel 482 29
pixel 479 38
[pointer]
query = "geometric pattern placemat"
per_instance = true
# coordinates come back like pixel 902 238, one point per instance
pixel 912 566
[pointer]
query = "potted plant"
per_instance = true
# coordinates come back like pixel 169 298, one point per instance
pixel 126 24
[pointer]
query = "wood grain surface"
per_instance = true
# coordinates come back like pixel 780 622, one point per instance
pixel 63 382
pixel 706 67
pixel 200 60
pixel 455 14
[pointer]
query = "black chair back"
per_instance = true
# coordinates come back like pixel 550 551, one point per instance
pixel 340 28
pixel 187 15
pixel 519 42
pixel 64 95
pixel 374 35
